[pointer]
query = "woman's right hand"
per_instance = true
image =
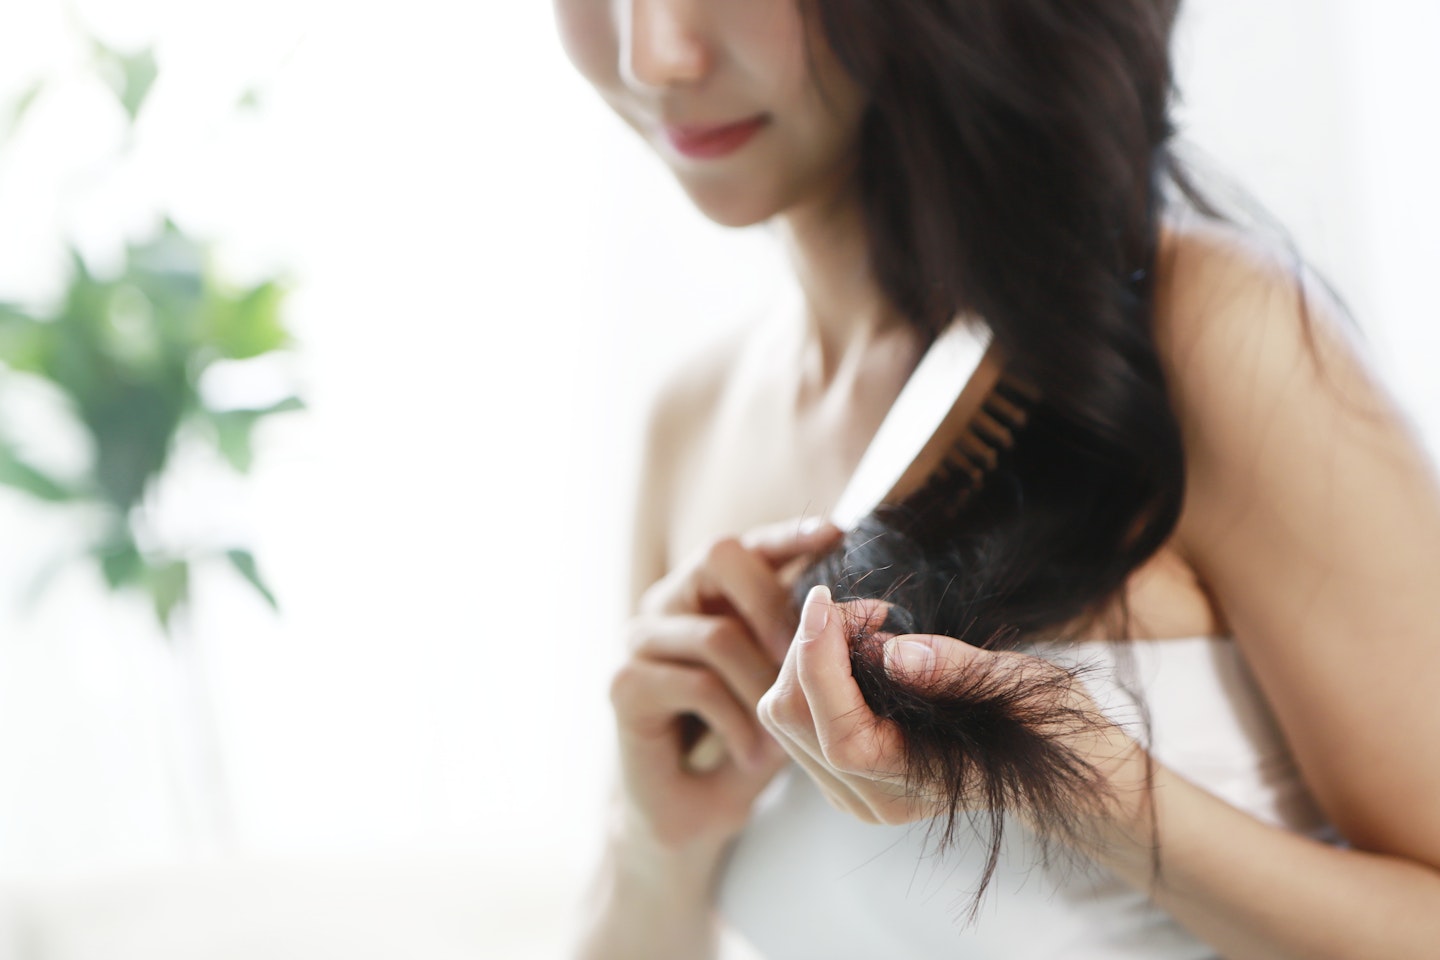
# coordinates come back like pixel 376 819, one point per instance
pixel 708 643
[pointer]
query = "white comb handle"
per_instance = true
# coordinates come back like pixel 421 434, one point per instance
pixel 924 403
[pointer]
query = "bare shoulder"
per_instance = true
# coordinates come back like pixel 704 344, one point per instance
pixel 679 416
pixel 1312 516
pixel 1249 338
pixel 1220 290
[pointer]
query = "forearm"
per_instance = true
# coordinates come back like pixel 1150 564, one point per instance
pixel 1256 891
pixel 649 903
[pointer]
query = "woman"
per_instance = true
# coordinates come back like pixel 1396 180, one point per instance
pixel 1237 499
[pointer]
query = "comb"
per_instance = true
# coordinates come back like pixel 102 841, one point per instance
pixel 957 413
pixel 976 451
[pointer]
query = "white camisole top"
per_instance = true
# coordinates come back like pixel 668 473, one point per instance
pixel 807 882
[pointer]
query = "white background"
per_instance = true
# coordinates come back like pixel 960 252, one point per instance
pixel 491 277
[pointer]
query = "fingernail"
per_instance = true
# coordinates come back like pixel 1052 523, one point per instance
pixel 817 610
pixel 909 658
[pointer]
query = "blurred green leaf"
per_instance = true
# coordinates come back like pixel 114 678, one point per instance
pixel 169 585
pixel 130 390
pixel 170 270
pixel 15 112
pixel 173 255
pixel 15 472
pixel 72 358
pixel 120 560
pixel 244 562
pixel 232 435
pixel 130 334
pixel 127 353
pixel 24 341
pixel 9 313
pixel 288 405
pixel 130 75
pixel 248 325
pixel 234 429
pixel 133 429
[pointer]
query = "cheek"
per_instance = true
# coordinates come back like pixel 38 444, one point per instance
pixel 804 82
pixel 765 40
pixel 589 36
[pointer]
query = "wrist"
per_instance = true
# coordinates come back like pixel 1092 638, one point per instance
pixel 1120 832
pixel 643 858
pixel 1117 818
pixel 652 900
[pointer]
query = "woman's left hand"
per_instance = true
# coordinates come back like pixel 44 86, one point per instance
pixel 817 713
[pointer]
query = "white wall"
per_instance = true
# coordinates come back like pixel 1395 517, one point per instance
pixel 1323 110
pixel 492 276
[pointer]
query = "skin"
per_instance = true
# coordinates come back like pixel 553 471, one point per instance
pixel 1311 533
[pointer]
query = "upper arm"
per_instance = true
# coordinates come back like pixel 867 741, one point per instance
pixel 1313 516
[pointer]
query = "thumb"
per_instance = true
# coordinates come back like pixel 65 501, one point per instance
pixel 926 659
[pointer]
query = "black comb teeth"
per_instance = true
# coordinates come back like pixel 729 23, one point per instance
pixel 1002 415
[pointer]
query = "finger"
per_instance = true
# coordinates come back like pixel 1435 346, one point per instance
pixel 649 696
pixel 720 643
pixel 732 578
pixel 925 661
pixel 780 543
pixel 786 711
pixel 744 581
pixel 839 793
pixel 845 727
pixel 785 714
pixel 863 755
pixel 740 575
pixel 886 800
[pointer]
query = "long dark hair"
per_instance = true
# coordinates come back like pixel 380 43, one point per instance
pixel 1013 164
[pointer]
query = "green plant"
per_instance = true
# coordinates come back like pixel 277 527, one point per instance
pixel 127 352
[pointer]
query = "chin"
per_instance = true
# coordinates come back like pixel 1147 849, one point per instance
pixel 731 207
pixel 757 195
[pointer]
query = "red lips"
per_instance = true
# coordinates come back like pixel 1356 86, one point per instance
pixel 708 142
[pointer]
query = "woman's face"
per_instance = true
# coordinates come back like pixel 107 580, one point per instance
pixel 725 92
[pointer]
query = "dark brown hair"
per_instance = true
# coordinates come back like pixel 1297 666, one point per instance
pixel 1014 159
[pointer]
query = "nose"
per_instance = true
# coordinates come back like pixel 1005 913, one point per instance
pixel 663 44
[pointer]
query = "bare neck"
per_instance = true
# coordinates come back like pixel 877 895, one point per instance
pixel 846 312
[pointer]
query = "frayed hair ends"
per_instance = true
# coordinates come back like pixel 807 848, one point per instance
pixel 989 742
pixel 986 742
